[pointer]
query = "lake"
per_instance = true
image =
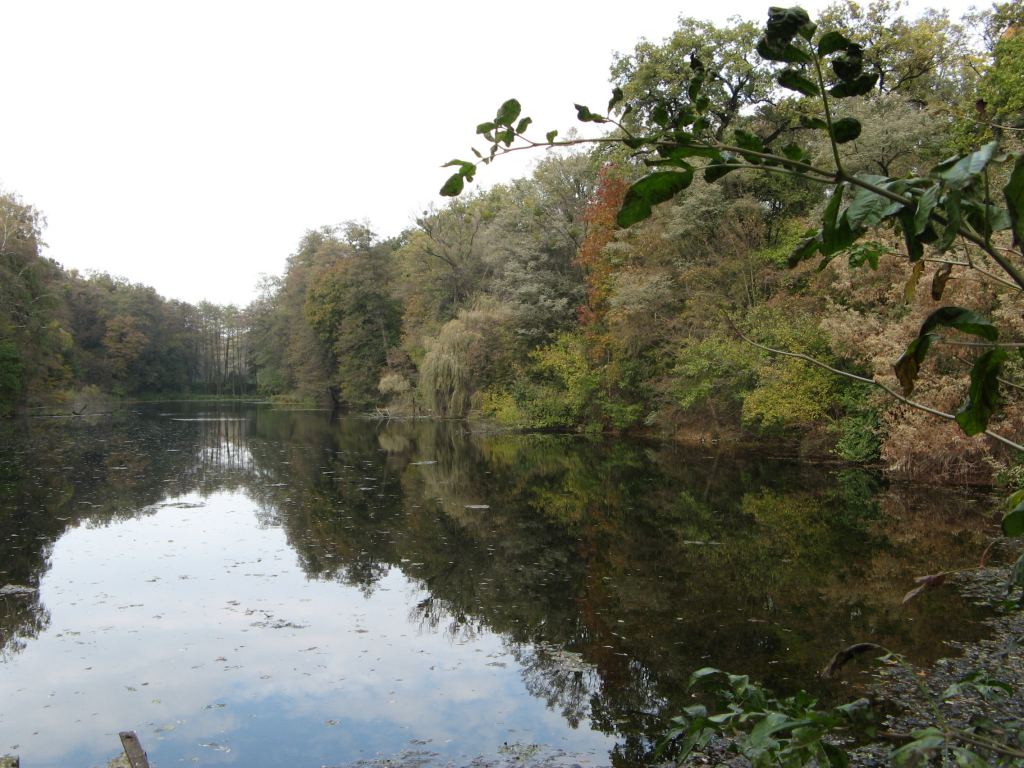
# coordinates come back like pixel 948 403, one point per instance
pixel 253 586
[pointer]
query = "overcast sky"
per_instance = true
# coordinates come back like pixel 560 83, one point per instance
pixel 189 145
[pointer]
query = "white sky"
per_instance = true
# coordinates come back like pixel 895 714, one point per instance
pixel 189 145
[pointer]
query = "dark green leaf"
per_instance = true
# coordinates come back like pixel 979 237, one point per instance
pixel 1013 521
pixel 524 124
pixel 913 241
pixel 550 136
pixel 910 289
pixel 961 172
pixel 953 220
pixel 716 170
pixel 795 80
pixel 845 129
pixel 939 280
pixel 804 249
pixel 983 395
pixel 787 53
pixel 926 202
pixel 960 319
pixel 1017 574
pixel 831 42
pixel 616 98
pixel 849 64
pixel 453 186
pixel 784 23
pixel 508 112
pixel 858 87
pixel 660 115
pixel 1014 192
pixel 909 365
pixel 485 127
pixel 813 122
pixel 650 190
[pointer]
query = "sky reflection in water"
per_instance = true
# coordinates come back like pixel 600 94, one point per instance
pixel 225 643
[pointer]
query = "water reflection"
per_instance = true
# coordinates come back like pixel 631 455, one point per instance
pixel 565 587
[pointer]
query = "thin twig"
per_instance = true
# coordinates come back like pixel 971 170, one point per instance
pixel 976 268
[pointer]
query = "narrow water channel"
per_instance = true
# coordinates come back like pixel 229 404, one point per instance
pixel 261 587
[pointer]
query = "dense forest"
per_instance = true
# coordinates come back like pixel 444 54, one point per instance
pixel 526 305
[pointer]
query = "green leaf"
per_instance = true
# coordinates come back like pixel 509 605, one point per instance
pixel 965 758
pixel 650 190
pixel 865 253
pixel 584 115
pixel 616 98
pixel 831 42
pixel 508 112
pixel 845 129
pixel 869 209
pixel 1013 521
pixel 836 233
pixel 660 115
pixel 920 749
pixel 806 248
pixel 453 187
pixel 795 80
pixel 983 396
pixel 550 136
pixel 523 124
pixel 835 755
pixel 858 87
pixel 961 172
pixel 795 152
pixel 787 53
pixel 703 674
pixel 750 141
pixel 1014 192
pixel 485 127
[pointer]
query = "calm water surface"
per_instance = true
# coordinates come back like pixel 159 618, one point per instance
pixel 256 587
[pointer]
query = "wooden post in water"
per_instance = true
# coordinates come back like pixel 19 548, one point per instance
pixel 133 749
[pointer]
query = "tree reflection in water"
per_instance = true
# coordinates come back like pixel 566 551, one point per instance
pixel 611 568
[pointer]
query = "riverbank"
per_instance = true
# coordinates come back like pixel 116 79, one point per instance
pixel 912 695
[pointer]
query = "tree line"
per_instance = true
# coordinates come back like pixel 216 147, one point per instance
pixel 528 305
